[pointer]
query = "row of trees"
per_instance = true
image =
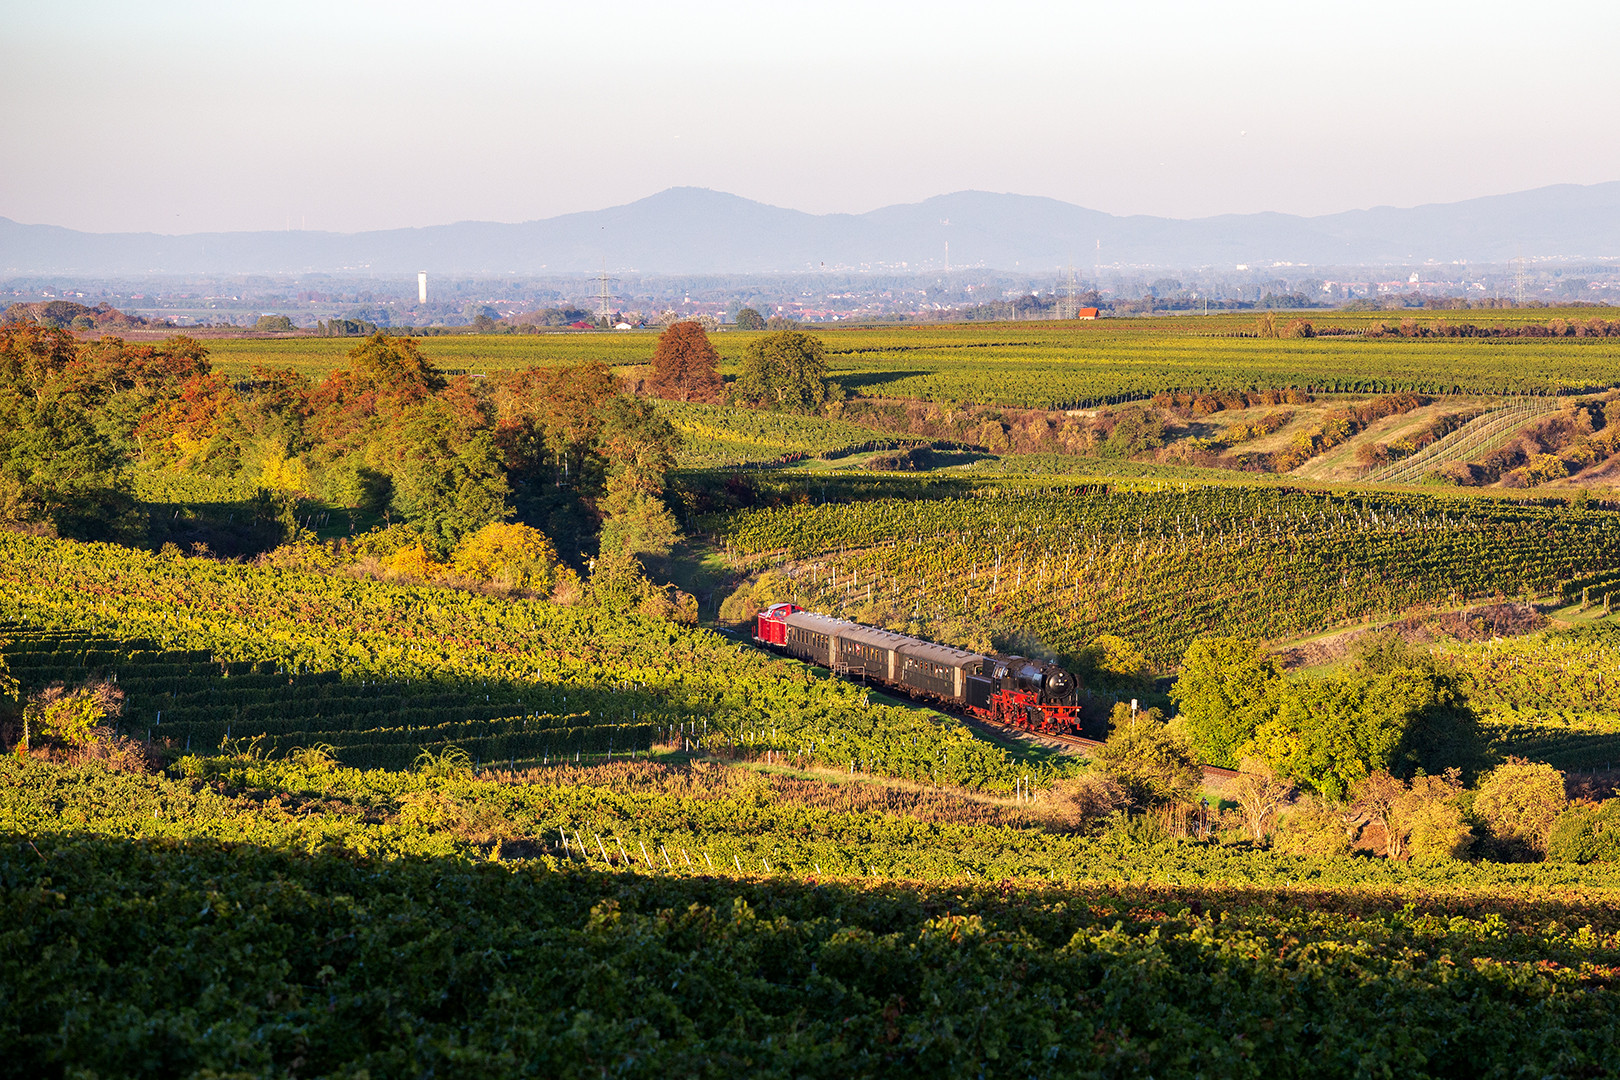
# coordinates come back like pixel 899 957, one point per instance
pixel 784 371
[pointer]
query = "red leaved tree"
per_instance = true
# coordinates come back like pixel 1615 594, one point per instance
pixel 684 365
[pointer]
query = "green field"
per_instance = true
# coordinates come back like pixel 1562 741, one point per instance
pixel 1068 365
pixel 384 671
pixel 737 865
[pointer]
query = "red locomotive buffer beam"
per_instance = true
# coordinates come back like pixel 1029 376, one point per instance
pixel 1023 709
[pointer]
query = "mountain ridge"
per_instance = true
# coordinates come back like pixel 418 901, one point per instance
pixel 699 230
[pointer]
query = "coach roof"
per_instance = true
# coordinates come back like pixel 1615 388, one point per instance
pixel 940 654
pixel 881 639
pixel 819 624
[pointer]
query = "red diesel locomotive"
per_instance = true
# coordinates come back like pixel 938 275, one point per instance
pixel 1011 690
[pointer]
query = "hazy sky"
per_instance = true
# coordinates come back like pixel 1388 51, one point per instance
pixel 183 117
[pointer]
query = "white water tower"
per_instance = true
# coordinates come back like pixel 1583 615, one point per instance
pixel 421 287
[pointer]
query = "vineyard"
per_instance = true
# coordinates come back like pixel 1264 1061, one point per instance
pixel 1471 441
pixel 1550 696
pixel 332 921
pixel 1054 365
pixel 1159 567
pixel 716 436
pixel 209 651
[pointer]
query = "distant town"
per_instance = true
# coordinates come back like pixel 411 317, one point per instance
pixel 321 302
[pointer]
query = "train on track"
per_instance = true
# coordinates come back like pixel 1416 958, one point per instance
pixel 1012 690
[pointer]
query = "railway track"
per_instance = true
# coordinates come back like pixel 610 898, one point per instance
pixel 1213 774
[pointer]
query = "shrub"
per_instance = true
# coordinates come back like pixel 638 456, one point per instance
pixel 514 557
pixel 72 718
pixel 1086 799
pixel 1519 801
pixel 1586 833
pixel 1422 820
pixel 1311 828
pixel 1148 761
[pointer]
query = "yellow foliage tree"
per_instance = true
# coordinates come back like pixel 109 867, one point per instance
pixel 512 556
pixel 1519 800
pixel 413 561
pixel 285 474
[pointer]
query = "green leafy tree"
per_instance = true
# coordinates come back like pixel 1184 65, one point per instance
pixel 785 370
pixel 1149 761
pixel 639 445
pixel 1394 711
pixel 1226 689
pixel 447 479
pixel 749 319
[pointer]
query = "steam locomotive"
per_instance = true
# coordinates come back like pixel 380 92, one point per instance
pixel 1012 690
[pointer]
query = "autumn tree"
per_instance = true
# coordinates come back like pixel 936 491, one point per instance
pixel 1518 801
pixel 549 420
pixel 685 365
pixel 512 556
pixel 1421 820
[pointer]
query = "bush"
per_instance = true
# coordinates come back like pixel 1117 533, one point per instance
pixel 1147 759
pixel 71 718
pixel 513 557
pixel 1518 803
pixel 1586 833
pixel 1311 828
pixel 1422 820
pixel 1086 799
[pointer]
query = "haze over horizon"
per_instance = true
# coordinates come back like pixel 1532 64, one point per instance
pixel 179 117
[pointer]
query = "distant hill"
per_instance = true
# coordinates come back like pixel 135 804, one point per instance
pixel 694 230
